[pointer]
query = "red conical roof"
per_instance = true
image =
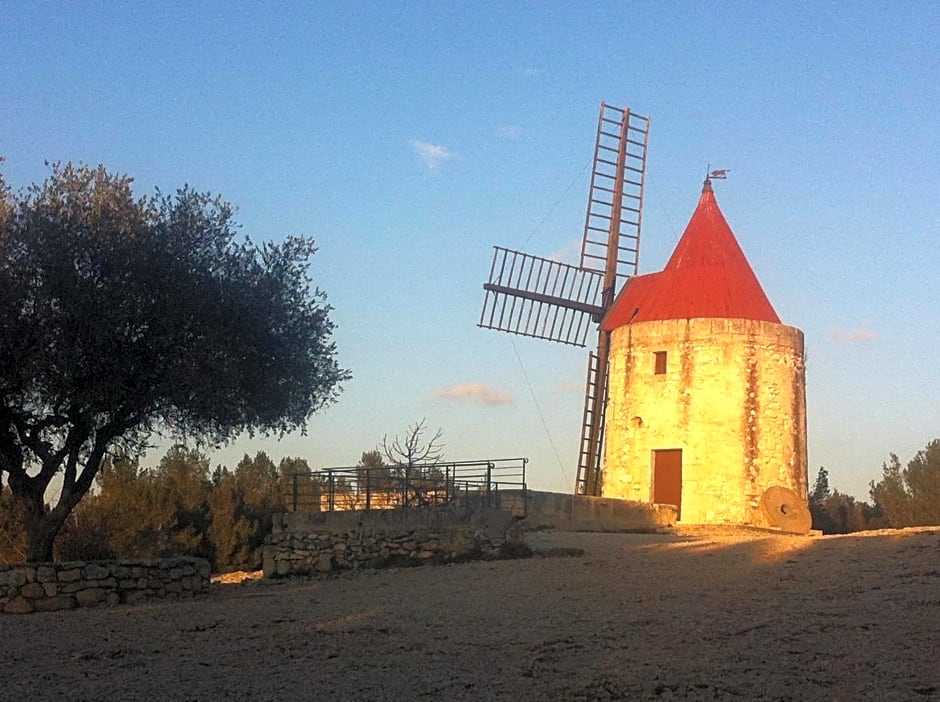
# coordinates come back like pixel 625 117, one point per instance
pixel 707 276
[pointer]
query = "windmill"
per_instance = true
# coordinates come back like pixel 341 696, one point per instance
pixel 547 299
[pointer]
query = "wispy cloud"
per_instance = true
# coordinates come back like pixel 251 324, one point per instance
pixel 474 393
pixel 509 131
pixel 569 253
pixel 432 154
pixel 854 336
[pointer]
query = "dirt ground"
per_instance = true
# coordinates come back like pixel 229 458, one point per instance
pixel 706 614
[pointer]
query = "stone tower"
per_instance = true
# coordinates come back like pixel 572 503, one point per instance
pixel 707 401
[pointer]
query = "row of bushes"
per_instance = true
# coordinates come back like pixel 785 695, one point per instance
pixel 179 508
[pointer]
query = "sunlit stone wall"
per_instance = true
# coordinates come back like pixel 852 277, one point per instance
pixel 307 543
pixel 732 398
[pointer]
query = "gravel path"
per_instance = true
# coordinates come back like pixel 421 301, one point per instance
pixel 707 614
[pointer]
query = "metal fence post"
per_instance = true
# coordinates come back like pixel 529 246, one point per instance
pixel 489 477
pixel 331 488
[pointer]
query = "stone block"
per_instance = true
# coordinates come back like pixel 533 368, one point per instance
pixel 18 605
pixel 32 591
pixel 93 571
pixel 283 567
pixel 51 589
pixel 45 574
pixel 324 563
pixel 70 575
pixel 90 597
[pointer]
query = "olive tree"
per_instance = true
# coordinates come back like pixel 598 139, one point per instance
pixel 122 315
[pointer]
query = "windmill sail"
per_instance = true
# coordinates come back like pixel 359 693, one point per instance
pixel 541 298
pixel 547 299
pixel 615 204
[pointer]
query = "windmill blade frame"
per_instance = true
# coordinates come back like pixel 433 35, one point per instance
pixel 547 299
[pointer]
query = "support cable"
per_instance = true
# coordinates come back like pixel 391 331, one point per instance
pixel 662 204
pixel 557 202
pixel 541 416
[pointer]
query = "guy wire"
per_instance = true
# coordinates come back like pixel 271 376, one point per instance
pixel 541 416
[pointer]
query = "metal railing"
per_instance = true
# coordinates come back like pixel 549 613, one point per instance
pixel 396 487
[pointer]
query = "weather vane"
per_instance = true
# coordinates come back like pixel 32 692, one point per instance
pixel 717 174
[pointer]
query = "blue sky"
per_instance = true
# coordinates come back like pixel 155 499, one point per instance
pixel 409 138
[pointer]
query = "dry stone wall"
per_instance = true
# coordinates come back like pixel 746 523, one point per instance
pixel 310 543
pixel 44 587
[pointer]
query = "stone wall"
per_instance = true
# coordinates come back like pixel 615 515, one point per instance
pixel 43 587
pixel 309 543
pixel 567 512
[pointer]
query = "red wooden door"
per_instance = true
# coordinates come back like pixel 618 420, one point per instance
pixel 667 478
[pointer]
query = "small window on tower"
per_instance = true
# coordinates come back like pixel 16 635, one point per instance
pixel 660 366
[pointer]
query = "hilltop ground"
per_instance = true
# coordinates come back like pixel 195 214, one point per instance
pixel 706 614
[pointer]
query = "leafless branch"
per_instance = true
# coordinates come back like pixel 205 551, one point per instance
pixel 412 448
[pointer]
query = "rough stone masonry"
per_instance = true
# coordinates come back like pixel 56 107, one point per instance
pixel 45 587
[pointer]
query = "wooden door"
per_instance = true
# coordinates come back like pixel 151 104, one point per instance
pixel 667 478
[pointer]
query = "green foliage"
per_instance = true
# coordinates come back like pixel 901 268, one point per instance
pixel 178 508
pixel 242 506
pixel 373 474
pixel 12 538
pixel 836 513
pixel 141 513
pixel 910 496
pixel 125 315
pixel 300 488
pixel 821 489
pixel 5 198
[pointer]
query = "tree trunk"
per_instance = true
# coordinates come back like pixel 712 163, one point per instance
pixel 42 527
pixel 41 539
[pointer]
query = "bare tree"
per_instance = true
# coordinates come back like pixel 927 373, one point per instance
pixel 413 449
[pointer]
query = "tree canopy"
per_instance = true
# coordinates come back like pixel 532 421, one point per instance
pixel 126 315
pixel 910 496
